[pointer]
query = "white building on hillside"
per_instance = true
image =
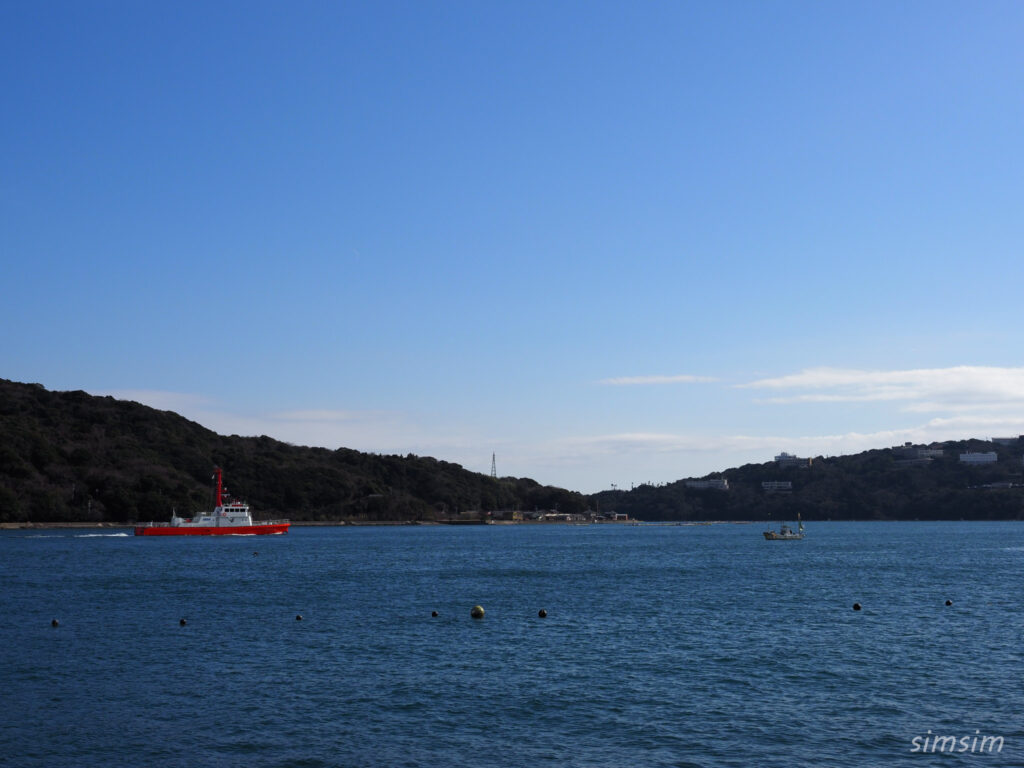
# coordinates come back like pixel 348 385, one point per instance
pixel 721 484
pixel 972 457
pixel 789 460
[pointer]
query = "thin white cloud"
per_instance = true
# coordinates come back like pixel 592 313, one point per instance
pixel 766 446
pixel 682 378
pixel 926 389
pixel 322 415
pixel 627 442
pixel 160 399
pixel 378 431
pixel 640 443
pixel 385 432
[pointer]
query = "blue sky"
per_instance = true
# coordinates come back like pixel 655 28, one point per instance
pixel 609 242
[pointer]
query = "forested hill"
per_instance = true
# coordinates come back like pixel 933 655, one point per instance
pixel 903 483
pixel 71 456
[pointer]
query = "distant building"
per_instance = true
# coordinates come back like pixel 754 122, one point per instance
pixel 1005 440
pixel 909 454
pixel 972 457
pixel 777 486
pixel 905 452
pixel 556 517
pixel 717 485
pixel 789 460
pixel 912 462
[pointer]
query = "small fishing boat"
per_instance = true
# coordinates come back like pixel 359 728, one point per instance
pixel 785 533
pixel 229 518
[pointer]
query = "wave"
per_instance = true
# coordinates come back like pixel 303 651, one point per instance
pixel 99 535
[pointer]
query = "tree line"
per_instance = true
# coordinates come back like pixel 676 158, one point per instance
pixel 75 457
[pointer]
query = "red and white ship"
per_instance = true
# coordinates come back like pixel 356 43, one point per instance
pixel 229 518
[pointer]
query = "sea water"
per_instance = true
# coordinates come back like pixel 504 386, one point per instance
pixel 662 646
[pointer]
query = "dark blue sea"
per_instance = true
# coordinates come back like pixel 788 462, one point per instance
pixel 662 646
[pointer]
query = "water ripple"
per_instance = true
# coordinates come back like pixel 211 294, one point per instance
pixel 667 646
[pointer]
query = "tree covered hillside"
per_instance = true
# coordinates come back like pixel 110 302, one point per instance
pixel 71 456
pixel 886 484
pixel 74 457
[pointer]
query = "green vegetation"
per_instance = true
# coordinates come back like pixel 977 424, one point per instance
pixel 73 457
pixel 873 485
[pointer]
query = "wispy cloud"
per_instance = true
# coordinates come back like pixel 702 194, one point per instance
pixel 763 447
pixel 323 415
pixel 682 378
pixel 380 431
pixel 179 402
pixel 626 442
pixel 388 432
pixel 922 390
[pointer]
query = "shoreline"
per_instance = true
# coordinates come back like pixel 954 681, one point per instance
pixel 29 525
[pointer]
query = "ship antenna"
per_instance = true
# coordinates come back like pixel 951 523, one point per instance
pixel 219 487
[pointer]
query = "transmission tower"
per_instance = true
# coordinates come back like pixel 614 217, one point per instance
pixel 494 468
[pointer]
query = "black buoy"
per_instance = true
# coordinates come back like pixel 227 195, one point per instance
pixel 54 623
pixel 298 617
pixel 949 602
pixel 542 613
pixel 182 622
pixel 254 554
pixel 433 614
pixel 856 606
pixel 477 612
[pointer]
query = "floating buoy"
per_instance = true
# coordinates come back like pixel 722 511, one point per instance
pixel 856 606
pixel 433 614
pixel 54 623
pixel 299 617
pixel 477 612
pixel 254 554
pixel 949 602
pixel 182 622
pixel 542 613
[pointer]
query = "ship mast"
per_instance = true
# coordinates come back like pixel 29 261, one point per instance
pixel 219 486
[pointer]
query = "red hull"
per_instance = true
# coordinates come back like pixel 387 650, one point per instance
pixel 227 530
